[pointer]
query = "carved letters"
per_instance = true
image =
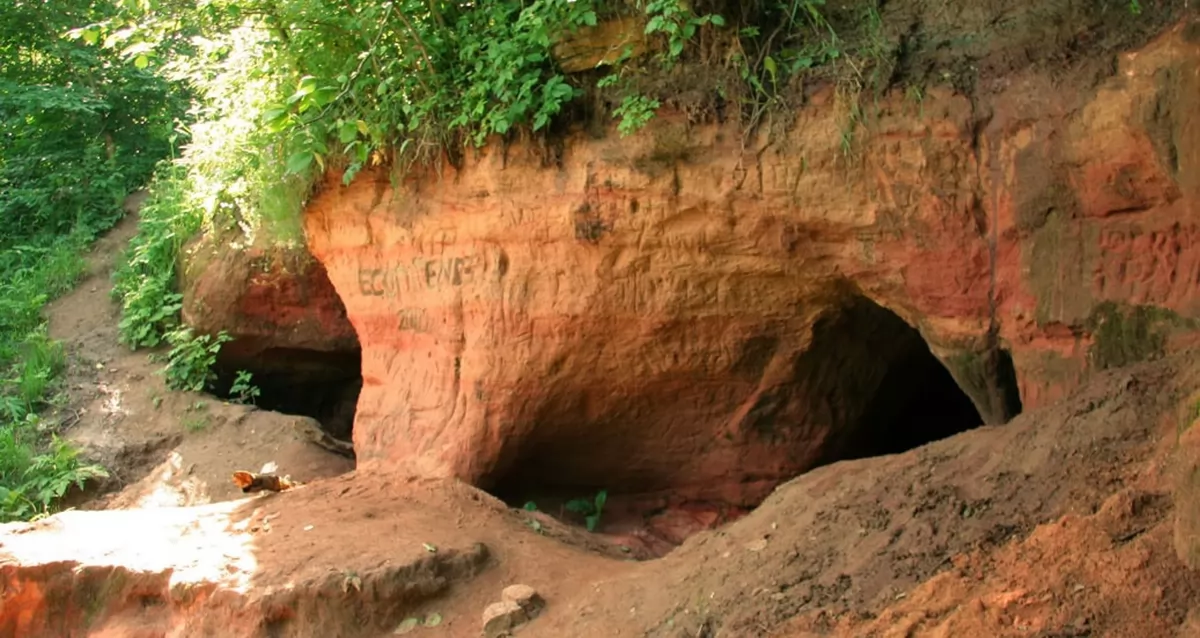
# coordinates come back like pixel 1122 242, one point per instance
pixel 428 274
pixel 1156 267
pixel 782 178
pixel 643 293
pixel 413 319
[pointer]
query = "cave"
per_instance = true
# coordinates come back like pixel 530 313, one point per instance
pixel 906 396
pixel 867 385
pixel 319 384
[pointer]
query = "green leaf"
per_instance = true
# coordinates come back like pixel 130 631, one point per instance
pixel 324 96
pixel 772 69
pixel 580 506
pixel 299 161
pixel 91 35
pixel 717 19
pixel 141 62
pixel 270 115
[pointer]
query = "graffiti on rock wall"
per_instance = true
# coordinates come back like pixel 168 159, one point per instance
pixel 423 274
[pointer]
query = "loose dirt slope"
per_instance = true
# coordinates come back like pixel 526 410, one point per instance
pixel 163 447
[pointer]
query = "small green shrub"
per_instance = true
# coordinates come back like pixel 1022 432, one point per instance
pixel 35 371
pixel 243 389
pixel 190 361
pixel 590 509
pixel 634 112
pixel 30 482
pixel 144 282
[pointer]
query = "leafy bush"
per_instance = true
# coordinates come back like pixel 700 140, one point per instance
pixel 191 358
pixel 590 509
pixel 243 389
pixel 144 282
pixel 30 483
pixel 78 130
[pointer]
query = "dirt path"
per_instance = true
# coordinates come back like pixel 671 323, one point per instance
pixel 162 447
pixel 1063 523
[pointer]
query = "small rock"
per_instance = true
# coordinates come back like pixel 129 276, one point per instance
pixel 499 619
pixel 757 546
pixel 526 597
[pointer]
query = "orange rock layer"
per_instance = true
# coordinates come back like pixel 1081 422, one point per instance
pixel 639 313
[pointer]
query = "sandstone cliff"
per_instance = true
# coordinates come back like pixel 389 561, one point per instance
pixel 690 310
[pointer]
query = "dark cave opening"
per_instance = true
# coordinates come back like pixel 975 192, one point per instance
pixel 905 396
pixel 867 385
pixel 316 384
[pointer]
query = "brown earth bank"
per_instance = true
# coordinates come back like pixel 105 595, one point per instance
pixel 162 448
pixel 1068 521
pixel 689 316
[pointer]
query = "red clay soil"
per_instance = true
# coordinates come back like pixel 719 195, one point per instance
pixel 1058 524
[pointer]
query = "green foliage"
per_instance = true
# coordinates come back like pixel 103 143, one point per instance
pixel 590 509
pixel 677 21
pixel 191 358
pixel 79 129
pixel 31 482
pixel 416 76
pixel 144 282
pixel 635 111
pixel 243 389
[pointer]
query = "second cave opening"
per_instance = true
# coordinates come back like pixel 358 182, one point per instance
pixel 866 385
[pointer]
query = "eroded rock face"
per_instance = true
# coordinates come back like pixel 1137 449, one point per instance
pixel 641 316
pixel 272 297
pixel 288 324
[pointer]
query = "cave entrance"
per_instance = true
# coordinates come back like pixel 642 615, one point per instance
pixel 899 395
pixel 316 384
pixel 867 385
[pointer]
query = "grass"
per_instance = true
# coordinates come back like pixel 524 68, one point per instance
pixel 36 467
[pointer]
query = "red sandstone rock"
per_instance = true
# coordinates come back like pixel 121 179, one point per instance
pixel 643 317
pixel 500 619
pixel 275 297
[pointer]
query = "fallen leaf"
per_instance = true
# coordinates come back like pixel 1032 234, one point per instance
pixel 433 620
pixel 407 625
